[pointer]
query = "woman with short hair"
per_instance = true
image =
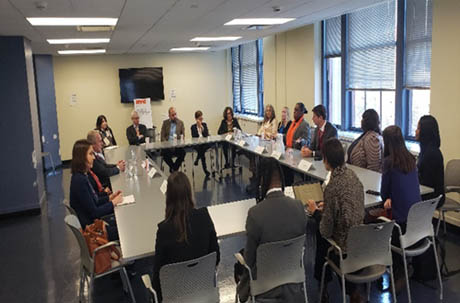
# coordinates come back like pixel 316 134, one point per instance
pixel 186 233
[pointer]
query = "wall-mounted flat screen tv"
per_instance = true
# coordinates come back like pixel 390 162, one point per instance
pixel 146 82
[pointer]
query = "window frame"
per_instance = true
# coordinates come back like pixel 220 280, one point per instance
pixel 403 100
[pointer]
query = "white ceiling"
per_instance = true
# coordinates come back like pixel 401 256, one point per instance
pixel 146 26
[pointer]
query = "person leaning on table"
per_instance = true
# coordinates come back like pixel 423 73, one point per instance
pixel 83 198
pixel 136 132
pixel 343 208
pixel 186 233
pixel 229 122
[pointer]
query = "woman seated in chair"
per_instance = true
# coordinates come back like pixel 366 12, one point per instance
pixel 186 233
pixel 199 130
pixel 400 189
pixel 430 162
pixel 83 198
pixel 108 139
pixel 342 209
pixel 227 125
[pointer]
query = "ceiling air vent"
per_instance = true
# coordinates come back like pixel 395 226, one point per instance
pixel 255 27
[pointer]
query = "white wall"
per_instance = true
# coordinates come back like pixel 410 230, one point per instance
pixel 200 81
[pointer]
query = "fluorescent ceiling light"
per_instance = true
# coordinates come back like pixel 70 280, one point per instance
pixel 72 21
pixel 82 51
pixel 78 41
pixel 188 49
pixel 207 39
pixel 259 21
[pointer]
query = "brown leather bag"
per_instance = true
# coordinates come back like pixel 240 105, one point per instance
pixel 95 236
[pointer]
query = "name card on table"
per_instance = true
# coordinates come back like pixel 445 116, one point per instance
pixel 241 143
pixel 276 154
pixel 260 150
pixel 152 172
pixel 229 137
pixel 305 165
pixel 164 187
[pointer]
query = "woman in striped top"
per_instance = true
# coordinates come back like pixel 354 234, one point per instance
pixel 367 150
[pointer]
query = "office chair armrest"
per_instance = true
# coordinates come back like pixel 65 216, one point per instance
pixel 112 243
pixel 148 285
pixel 385 219
pixel 334 245
pixel 241 260
pixel 452 189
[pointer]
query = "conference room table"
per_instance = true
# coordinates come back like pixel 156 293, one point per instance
pixel 137 222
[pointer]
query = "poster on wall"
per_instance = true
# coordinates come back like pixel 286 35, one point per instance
pixel 143 108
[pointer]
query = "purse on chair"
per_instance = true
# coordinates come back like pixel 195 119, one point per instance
pixel 95 236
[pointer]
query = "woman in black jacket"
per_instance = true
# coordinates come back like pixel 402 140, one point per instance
pixel 186 233
pixel 200 130
pixel 108 139
pixel 226 126
pixel 430 161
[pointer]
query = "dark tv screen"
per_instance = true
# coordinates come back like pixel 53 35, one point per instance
pixel 144 82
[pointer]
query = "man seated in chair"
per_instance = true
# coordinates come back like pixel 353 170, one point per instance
pixel 275 218
pixel 173 128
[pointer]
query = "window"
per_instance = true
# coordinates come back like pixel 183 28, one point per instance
pixel 379 57
pixel 247 72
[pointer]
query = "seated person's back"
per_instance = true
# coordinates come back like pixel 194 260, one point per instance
pixel 275 218
pixel 186 233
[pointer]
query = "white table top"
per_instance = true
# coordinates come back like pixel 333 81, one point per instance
pixel 230 218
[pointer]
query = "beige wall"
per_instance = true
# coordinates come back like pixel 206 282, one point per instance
pixel 200 81
pixel 445 74
pixel 289 70
pixel 445 80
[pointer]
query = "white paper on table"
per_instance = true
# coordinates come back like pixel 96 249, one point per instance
pixel 289 192
pixel 305 165
pixel 127 200
pixel 164 187
pixel 260 150
pixel 111 147
pixel 152 172
pixel 228 137
pixel 241 143
pixel 276 154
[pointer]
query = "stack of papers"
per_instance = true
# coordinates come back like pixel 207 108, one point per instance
pixel 127 200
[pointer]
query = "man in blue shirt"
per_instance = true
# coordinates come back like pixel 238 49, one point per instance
pixel 173 128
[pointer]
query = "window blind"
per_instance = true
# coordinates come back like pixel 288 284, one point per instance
pixel 418 43
pixel 372 47
pixel 333 34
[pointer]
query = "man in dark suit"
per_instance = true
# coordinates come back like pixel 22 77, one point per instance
pixel 265 224
pixel 173 128
pixel 324 130
pixel 102 169
pixel 136 133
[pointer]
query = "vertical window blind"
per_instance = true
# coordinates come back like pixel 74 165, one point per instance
pixel 372 47
pixel 418 43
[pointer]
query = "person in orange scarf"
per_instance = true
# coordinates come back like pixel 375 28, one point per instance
pixel 299 129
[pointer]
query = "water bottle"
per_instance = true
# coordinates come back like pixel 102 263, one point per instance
pixel 175 139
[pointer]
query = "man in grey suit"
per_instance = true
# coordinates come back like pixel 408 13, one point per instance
pixel 275 218
pixel 173 128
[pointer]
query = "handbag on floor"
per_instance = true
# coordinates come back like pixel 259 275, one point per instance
pixel 95 236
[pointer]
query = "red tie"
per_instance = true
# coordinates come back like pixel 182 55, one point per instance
pixel 98 183
pixel 320 133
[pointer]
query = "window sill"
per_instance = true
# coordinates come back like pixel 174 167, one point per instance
pixel 252 118
pixel 350 136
